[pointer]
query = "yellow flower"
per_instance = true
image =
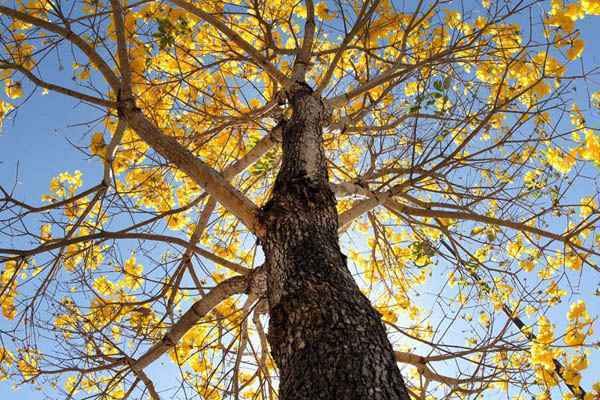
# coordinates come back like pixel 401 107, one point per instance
pixel 323 12
pixel 542 355
pixel 45 232
pixel 13 90
pixel 527 265
pixel 452 18
pixel 578 319
pixel 5 108
pixel 8 308
pixel 588 205
pixel 576 49
pixel 8 289
pixel 578 311
pixel 97 146
pixel 484 318
pixel 545 331
pixel 411 88
pixel 555 293
pixel 574 11
pixel 591 149
pixel 104 286
pixel 133 273
pixel 543 396
pixel 177 221
pixel 546 377
pixel 580 362
pixel 560 161
pixel 387 314
pixel 596 99
pixel 515 249
pixel 591 7
pixel 572 377
pixel 28 367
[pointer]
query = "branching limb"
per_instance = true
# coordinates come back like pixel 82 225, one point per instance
pixel 302 62
pixel 118 18
pixel 361 20
pixel 205 176
pixel 238 40
pixel 225 289
pixel 72 37
pixel 56 88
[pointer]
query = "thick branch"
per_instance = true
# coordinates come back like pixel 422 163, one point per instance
pixel 62 242
pixel 205 176
pixel 126 90
pixel 302 61
pixel 421 364
pixel 377 199
pixel 225 289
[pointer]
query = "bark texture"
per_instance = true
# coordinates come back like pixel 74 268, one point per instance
pixel 326 338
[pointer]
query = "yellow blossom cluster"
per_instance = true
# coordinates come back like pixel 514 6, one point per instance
pixel 150 188
pixel 559 160
pixel 97 145
pixel 580 324
pixel 542 354
pixel 8 289
pixel 133 273
pixel 5 108
pixel 195 340
pixel 7 359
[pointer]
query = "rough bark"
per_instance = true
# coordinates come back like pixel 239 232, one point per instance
pixel 326 338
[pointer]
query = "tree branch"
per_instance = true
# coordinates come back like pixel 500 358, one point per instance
pixel 302 62
pixel 269 68
pixel 56 88
pixel 205 176
pixel 225 289
pixel 126 90
pixel 72 37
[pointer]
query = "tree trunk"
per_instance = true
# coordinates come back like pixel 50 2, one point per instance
pixel 326 338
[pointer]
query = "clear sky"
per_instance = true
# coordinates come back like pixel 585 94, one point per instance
pixel 39 143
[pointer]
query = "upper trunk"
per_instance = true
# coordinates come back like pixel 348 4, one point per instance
pixel 326 338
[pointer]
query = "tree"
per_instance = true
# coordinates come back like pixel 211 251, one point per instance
pixel 244 144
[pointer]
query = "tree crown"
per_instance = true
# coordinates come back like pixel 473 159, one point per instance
pixel 461 150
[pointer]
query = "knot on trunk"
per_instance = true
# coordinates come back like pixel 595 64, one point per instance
pixel 296 196
pixel 125 105
pixel 257 282
pixel 308 104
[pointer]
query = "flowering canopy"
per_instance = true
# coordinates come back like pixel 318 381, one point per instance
pixel 463 164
